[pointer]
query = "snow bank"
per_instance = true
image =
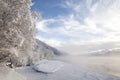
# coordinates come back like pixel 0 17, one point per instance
pixel 48 66
pixel 10 74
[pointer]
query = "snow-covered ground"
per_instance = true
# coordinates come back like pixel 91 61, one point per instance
pixel 67 72
pixel 10 74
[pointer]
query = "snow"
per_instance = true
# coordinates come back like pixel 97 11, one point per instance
pixel 48 66
pixel 67 72
pixel 10 74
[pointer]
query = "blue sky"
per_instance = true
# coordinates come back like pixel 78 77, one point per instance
pixel 49 8
pixel 72 23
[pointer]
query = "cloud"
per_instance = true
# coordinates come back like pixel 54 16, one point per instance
pixel 51 42
pixel 42 24
pixel 88 21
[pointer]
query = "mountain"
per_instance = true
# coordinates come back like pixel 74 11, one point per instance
pixel 42 45
pixel 44 51
pixel 106 52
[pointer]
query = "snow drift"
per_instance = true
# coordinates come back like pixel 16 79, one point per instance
pixel 48 66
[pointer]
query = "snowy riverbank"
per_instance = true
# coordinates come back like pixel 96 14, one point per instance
pixel 67 72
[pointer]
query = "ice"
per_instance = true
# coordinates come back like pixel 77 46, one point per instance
pixel 48 66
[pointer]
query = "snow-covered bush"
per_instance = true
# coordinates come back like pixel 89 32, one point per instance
pixel 16 31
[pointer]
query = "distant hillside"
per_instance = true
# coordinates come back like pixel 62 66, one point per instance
pixel 43 45
pixel 106 52
pixel 44 51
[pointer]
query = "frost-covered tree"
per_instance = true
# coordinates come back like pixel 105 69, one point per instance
pixel 16 31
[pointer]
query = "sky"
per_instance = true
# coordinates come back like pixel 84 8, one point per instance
pixel 78 26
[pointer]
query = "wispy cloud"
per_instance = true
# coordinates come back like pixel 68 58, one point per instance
pixel 88 20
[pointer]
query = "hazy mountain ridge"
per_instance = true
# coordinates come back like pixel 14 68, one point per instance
pixel 44 45
pixel 106 52
pixel 44 51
